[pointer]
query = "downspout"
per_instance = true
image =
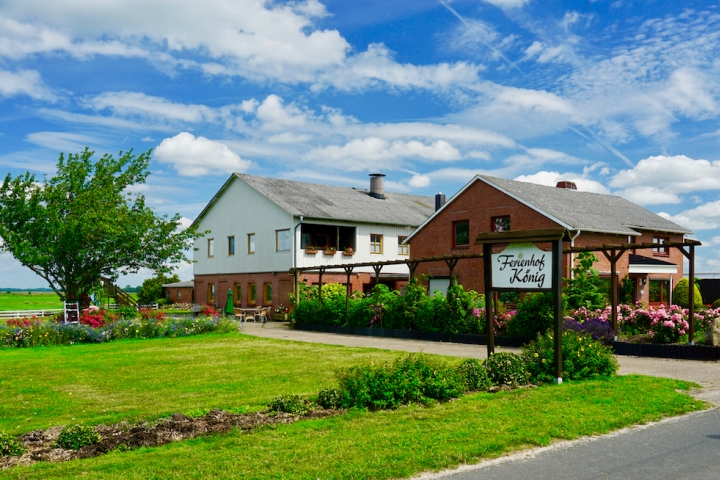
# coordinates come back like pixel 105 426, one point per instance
pixel 572 255
pixel 294 254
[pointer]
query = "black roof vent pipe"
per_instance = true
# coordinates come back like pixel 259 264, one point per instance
pixel 439 201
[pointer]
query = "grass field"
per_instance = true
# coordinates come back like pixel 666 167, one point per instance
pixel 133 380
pixel 33 301
pixel 29 301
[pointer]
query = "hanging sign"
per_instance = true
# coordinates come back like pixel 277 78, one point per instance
pixel 522 266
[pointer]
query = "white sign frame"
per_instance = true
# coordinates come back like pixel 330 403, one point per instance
pixel 522 266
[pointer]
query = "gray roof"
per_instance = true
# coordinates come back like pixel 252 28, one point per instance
pixel 185 284
pixel 593 212
pixel 342 203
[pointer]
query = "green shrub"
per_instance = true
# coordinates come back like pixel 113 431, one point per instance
pixel 535 314
pixel 582 289
pixel 583 358
pixel 74 437
pixel 460 307
pixel 505 368
pixel 431 314
pixel 681 294
pixel 292 404
pixel 10 446
pixel 716 303
pixel 413 378
pixel 329 398
pixel 473 375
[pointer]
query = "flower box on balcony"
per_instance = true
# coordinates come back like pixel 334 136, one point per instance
pixel 330 251
pixel 311 250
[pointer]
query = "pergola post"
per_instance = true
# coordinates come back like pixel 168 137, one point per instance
pixel 613 257
pixel 691 295
pixel 320 275
pixel 376 269
pixel 296 287
pixel 451 262
pixel 412 266
pixel 489 310
pixel 557 301
pixel 348 288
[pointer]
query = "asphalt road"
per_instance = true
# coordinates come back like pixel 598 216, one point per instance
pixel 686 447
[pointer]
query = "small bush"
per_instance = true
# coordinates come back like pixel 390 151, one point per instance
pixel 716 303
pixel 74 437
pixel 413 378
pixel 535 315
pixel 504 368
pixel 582 358
pixel 473 375
pixel 10 446
pixel 681 294
pixel 292 404
pixel 329 399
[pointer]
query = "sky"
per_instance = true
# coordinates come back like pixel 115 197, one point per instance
pixel 621 97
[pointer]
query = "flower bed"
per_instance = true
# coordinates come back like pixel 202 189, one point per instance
pixel 33 334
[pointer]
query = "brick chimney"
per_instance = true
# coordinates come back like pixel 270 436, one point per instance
pixel 566 185
pixel 377 185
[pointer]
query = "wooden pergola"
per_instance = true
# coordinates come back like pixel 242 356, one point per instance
pixel 612 252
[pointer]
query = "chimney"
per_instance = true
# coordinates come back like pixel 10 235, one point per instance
pixel 377 185
pixel 439 201
pixel 566 185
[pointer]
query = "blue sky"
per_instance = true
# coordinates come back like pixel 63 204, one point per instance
pixel 621 97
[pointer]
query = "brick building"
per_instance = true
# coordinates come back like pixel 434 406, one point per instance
pixel 259 228
pixel 488 204
pixel 179 292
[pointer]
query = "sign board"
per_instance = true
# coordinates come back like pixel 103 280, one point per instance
pixel 522 266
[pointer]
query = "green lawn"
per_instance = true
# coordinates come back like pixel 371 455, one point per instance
pixel 130 380
pixel 29 301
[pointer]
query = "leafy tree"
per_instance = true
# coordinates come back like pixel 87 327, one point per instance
pixel 681 294
pixel 582 289
pixel 151 289
pixel 84 223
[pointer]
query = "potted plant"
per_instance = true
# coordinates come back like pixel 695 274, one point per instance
pixel 329 250
pixel 281 313
pixel 348 251
pixel 310 249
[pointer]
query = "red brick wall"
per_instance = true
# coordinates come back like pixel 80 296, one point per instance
pixel 281 282
pixel 186 294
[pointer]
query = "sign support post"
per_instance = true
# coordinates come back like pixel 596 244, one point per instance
pixel 523 267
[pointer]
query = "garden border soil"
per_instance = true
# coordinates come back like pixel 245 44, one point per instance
pixel 679 352
pixel 40 444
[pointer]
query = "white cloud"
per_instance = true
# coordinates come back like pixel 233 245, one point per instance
pixel 507 4
pixel 672 175
pixel 377 153
pixel 249 38
pixel 62 141
pixel 648 195
pixel 140 104
pixel 704 217
pixel 419 181
pixel 274 115
pixel 194 156
pixel 24 82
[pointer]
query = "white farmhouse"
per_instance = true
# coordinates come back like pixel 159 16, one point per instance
pixel 258 228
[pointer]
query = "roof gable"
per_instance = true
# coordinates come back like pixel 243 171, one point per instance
pixel 574 210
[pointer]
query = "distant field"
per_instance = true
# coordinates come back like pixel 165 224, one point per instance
pixel 29 301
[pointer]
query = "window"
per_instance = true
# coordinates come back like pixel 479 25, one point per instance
pixel 661 250
pixel 238 293
pixel 167 293
pixel 660 291
pixel 211 247
pixel 251 294
pixel 267 291
pixel 251 243
pixel 231 245
pixel 211 293
pixel 500 224
pixel 179 294
pixel 461 233
pixel 282 240
pixel 403 249
pixel 376 243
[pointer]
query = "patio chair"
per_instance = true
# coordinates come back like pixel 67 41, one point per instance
pixel 239 315
pixel 261 313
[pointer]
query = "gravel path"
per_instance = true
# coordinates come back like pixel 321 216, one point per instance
pixel 707 374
